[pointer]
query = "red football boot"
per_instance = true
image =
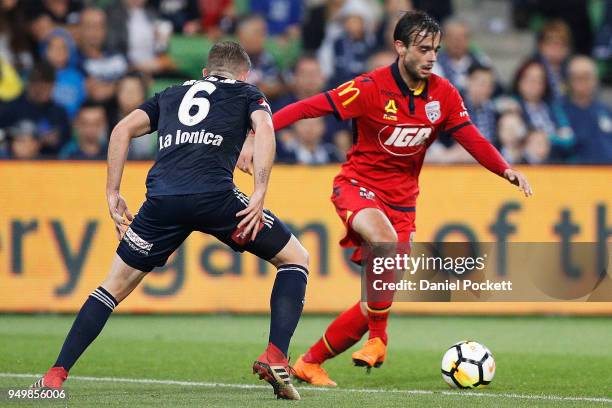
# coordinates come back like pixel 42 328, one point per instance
pixel 54 378
pixel 273 367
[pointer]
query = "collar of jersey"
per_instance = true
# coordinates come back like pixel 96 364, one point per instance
pixel 220 77
pixel 406 91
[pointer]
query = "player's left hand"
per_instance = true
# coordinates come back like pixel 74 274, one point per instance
pixel 253 215
pixel 117 208
pixel 518 179
pixel 245 160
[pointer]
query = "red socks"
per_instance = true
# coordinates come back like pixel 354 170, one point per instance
pixel 378 314
pixel 346 330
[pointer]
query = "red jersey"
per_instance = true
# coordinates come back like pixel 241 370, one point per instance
pixel 393 126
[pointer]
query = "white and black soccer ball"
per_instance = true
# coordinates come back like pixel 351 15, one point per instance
pixel 468 364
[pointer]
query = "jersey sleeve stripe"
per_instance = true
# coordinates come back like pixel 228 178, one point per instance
pixel 456 128
pixel 333 105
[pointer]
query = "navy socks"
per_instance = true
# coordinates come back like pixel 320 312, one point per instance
pixel 88 324
pixel 286 304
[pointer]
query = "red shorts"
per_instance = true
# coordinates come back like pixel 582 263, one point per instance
pixel 349 198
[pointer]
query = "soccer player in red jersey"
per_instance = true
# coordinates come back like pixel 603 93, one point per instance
pixel 397 113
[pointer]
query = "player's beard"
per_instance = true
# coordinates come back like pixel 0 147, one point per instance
pixel 412 70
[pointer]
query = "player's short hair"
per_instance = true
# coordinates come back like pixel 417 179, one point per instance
pixel 228 56
pixel 414 24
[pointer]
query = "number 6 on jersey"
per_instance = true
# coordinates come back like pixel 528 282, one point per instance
pixel 189 101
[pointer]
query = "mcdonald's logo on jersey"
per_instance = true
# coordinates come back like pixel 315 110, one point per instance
pixel 348 88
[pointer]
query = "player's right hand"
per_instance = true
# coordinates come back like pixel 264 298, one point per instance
pixel 253 215
pixel 117 208
pixel 245 160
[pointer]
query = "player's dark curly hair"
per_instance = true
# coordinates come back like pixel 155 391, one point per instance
pixel 413 24
pixel 228 56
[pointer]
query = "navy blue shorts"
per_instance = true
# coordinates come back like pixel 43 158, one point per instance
pixel 163 223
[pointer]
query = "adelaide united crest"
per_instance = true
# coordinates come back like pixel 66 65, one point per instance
pixel 432 109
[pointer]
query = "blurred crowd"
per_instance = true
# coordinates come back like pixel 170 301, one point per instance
pixel 71 69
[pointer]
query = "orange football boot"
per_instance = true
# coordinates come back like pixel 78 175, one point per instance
pixel 312 373
pixel 372 354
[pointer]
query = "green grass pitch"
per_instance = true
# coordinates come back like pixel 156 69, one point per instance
pixel 206 361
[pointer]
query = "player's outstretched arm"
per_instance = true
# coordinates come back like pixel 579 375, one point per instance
pixel 487 155
pixel 135 124
pixel 313 107
pixel 264 149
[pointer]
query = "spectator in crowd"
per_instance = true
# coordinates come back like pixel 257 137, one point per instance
pixel 102 67
pixel 37 106
pixel 602 49
pixel 336 28
pixel 554 47
pixel 573 13
pixel 91 131
pixel 315 23
pixel 588 115
pixel 456 58
pixel 60 51
pixel 445 150
pixel 511 133
pixel 533 94
pixel 353 47
pixel 15 47
pixel 4 146
pixel 183 14
pixel 217 18
pixel 478 100
pixel 537 147
pixel 131 93
pixel 61 12
pixel 307 80
pixel 10 83
pixel 438 9
pixel 305 144
pixel 25 143
pixel 282 16
pixel 381 58
pixel 40 25
pixel 483 113
pixel 252 32
pixel 393 11
pixel 138 34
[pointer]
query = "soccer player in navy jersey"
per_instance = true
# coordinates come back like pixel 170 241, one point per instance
pixel 201 126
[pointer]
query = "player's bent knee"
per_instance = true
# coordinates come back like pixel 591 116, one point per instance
pixel 374 226
pixel 122 279
pixel 293 253
pixel 387 235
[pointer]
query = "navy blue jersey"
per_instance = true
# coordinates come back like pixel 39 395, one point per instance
pixel 201 127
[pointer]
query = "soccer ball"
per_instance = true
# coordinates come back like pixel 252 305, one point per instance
pixel 468 364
